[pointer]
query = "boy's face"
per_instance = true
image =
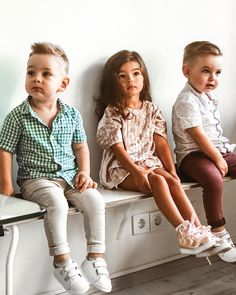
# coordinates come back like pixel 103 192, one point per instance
pixel 45 76
pixel 130 79
pixel 203 72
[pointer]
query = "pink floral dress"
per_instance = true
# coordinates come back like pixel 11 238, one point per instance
pixel 136 133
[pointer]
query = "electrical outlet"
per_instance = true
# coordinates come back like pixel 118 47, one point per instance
pixel 155 220
pixel 140 223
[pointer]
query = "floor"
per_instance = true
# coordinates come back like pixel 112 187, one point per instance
pixel 187 276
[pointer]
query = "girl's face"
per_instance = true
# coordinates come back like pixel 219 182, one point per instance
pixel 203 73
pixel 131 79
pixel 45 77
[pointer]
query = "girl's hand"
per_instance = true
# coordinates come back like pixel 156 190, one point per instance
pixel 141 180
pixel 222 166
pixel 83 181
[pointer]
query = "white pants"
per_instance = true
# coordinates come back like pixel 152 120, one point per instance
pixel 53 195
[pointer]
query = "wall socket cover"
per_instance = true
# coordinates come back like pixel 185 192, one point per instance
pixel 155 220
pixel 140 223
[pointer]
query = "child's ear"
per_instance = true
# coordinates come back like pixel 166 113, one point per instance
pixel 186 70
pixel 64 83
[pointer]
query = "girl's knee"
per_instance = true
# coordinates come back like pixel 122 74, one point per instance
pixel 156 179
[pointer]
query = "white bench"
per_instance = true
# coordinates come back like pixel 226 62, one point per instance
pixel 119 197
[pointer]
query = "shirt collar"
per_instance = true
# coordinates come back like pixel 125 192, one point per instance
pixel 26 108
pixel 209 94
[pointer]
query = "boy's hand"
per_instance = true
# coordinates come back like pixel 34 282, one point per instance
pixel 84 181
pixel 222 166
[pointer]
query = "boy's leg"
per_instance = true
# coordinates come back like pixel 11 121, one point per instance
pixel 203 170
pixel 209 177
pixel 230 159
pixel 50 194
pixel 91 203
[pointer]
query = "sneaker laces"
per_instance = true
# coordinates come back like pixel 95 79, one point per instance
pixel 193 233
pixel 227 237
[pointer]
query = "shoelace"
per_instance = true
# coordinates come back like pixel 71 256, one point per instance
pixel 228 239
pixel 200 232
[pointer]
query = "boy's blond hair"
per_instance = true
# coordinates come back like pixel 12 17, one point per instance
pixel 200 48
pixel 49 48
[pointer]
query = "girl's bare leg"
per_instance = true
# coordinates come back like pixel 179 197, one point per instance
pixel 179 196
pixel 161 195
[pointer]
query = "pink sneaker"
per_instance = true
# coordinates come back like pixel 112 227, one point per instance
pixel 192 239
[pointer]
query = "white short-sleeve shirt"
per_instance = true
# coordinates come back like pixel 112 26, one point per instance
pixel 193 110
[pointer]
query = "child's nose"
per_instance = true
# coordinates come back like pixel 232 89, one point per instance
pixel 213 76
pixel 130 78
pixel 37 78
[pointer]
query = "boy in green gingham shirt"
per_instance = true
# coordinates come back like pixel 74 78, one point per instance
pixel 49 141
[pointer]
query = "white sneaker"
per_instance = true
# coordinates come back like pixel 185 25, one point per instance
pixel 97 274
pixel 221 245
pixel 229 256
pixel 71 278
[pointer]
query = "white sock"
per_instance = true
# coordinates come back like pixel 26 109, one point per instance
pixel 220 233
pixel 63 263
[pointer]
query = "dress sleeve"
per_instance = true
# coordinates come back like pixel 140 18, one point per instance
pixel 109 129
pixel 160 123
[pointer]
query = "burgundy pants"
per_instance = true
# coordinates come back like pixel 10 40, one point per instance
pixel 198 167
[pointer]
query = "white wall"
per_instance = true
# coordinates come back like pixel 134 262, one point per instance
pixel 90 31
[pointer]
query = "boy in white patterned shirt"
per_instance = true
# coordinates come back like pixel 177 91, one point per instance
pixel 202 152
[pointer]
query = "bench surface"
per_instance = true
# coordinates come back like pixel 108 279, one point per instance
pixel 119 197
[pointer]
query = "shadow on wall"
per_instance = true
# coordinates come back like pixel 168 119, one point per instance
pixel 9 78
pixel 89 90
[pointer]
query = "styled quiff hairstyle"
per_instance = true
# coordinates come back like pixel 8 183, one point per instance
pixel 52 49
pixel 110 90
pixel 200 48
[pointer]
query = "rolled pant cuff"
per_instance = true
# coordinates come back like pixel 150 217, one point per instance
pixel 96 248
pixel 217 223
pixel 60 250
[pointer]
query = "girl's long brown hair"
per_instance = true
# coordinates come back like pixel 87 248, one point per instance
pixel 110 92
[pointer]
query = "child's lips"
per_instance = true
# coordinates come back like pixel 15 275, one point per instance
pixel 131 87
pixel 37 89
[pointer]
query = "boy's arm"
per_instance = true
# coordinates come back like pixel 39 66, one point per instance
pixel 83 179
pixel 163 152
pixel 207 147
pixel 6 185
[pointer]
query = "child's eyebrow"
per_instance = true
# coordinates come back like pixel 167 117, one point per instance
pixel 32 67
pixel 135 69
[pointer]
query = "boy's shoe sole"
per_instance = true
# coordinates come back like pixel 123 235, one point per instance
pixel 216 249
pixel 195 251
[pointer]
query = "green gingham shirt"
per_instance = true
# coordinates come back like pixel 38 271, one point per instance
pixel 43 152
